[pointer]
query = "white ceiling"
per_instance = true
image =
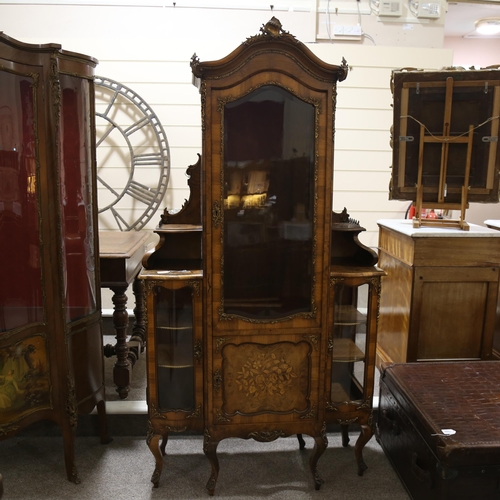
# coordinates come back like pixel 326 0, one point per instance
pixel 461 16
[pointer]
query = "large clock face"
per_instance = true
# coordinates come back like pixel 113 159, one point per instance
pixel 133 158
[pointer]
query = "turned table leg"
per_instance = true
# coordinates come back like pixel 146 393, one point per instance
pixel 137 340
pixel 122 371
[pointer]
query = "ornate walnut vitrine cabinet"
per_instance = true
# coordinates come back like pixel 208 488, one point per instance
pixel 267 198
pixel 51 363
pixel 264 241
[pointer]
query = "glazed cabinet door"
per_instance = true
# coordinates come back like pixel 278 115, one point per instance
pixel 174 340
pixel 352 339
pixel 267 206
pixel 348 343
pixel 26 360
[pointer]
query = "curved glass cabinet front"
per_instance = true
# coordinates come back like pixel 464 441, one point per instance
pixel 174 345
pixel 21 302
pixel 349 343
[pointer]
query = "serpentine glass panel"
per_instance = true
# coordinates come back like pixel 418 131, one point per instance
pixel 76 197
pixel 268 176
pixel 349 343
pixel 21 299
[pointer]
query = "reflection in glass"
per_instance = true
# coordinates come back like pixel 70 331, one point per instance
pixel 76 197
pixel 21 300
pixel 269 154
pixel 174 348
pixel 349 343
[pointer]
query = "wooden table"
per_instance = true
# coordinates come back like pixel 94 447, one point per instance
pixel 121 260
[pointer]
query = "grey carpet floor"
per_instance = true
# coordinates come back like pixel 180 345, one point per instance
pixel 33 468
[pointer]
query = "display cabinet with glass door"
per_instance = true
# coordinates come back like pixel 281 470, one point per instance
pixel 354 297
pixel 51 359
pixel 267 162
pixel 174 358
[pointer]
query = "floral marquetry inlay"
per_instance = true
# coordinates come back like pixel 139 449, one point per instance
pixel 265 374
pixel 266 377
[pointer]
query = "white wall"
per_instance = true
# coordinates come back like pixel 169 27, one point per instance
pixel 149 48
pixel 480 53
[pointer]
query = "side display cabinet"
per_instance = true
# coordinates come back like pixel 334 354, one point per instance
pixel 51 353
pixel 354 295
pixel 175 365
pixel 174 336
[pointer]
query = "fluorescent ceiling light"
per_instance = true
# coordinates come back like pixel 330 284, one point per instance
pixel 488 26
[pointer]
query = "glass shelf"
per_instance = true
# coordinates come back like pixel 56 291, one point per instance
pixel 345 350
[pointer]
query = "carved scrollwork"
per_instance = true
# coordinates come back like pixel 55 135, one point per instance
pixel 195 285
pixel 314 339
pixel 155 413
pixel 347 421
pixel 198 350
pixel 71 405
pixel 219 341
pixel 195 62
pixel 311 413
pixel 8 428
pixel 206 439
pixel 217 217
pixel 150 433
pixel 364 404
pixel 196 413
pixel 149 286
pixel 335 280
pixel 266 436
pixel 221 418
pixel 217 380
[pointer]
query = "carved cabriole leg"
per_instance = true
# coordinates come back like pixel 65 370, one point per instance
pixel 210 450
pixel 364 437
pixel 153 441
pixel 344 429
pixel 302 443
pixel 122 368
pixel 164 442
pixel 320 444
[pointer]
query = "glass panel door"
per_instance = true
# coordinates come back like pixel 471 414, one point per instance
pixel 268 184
pixel 21 300
pixel 76 198
pixel 174 338
pixel 349 343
